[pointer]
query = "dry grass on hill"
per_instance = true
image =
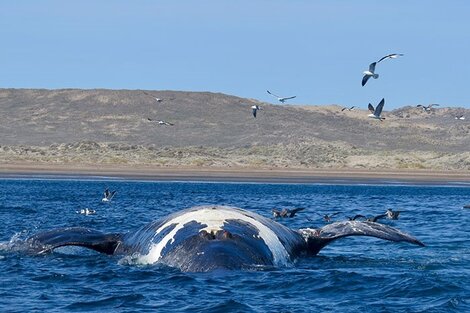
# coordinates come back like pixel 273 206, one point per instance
pixel 112 127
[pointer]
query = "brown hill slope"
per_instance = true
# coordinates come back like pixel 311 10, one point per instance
pixel 112 126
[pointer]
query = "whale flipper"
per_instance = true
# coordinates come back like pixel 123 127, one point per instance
pixel 319 238
pixel 74 236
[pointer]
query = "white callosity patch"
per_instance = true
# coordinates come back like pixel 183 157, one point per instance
pixel 214 218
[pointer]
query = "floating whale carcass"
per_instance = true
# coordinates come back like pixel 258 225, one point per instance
pixel 205 238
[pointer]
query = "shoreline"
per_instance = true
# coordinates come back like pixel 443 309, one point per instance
pixel 256 175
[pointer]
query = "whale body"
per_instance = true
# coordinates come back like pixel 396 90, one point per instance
pixel 205 238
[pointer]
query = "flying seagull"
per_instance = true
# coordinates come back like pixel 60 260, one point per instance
pixel 349 109
pixel 156 98
pixel 427 108
pixel 460 117
pixel 370 73
pixel 280 99
pixel 375 113
pixel 160 122
pixel 108 195
pixel 391 56
pixel 165 123
pixel 286 212
pixel 254 109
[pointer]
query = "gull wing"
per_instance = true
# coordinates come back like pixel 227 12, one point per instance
pixel 317 239
pixel 389 56
pixel 378 217
pixel 273 94
pixel 365 79
pixel 385 57
pixel 287 98
pixel 111 195
pixel 293 211
pixel 254 112
pixel 380 106
pixel 355 217
pixel 371 108
pixel 372 67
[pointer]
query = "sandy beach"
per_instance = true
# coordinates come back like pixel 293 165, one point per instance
pixel 267 175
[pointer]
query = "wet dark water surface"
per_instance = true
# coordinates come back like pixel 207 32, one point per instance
pixel 351 275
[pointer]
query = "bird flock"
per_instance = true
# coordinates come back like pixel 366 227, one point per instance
pixel 329 217
pixel 375 112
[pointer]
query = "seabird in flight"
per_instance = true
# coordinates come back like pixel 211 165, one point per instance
pixel 108 195
pixel 370 73
pixel 328 217
pixel 376 218
pixel 156 98
pixel 349 109
pixel 427 108
pixel 392 215
pixel 286 212
pixel 355 217
pixel 280 99
pixel 375 113
pixel 165 123
pixel 254 109
pixel 391 56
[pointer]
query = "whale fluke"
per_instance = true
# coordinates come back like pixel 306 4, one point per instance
pixel 74 236
pixel 317 239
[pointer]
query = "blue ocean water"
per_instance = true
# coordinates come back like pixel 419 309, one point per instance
pixel 351 275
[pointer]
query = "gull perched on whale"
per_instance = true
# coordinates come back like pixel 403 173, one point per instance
pixel 375 113
pixel 279 98
pixel 370 73
pixel 391 56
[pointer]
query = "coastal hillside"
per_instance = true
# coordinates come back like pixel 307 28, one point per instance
pixel 213 129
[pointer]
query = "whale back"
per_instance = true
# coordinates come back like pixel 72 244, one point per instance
pixel 209 237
